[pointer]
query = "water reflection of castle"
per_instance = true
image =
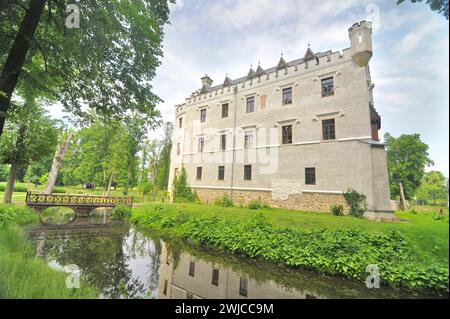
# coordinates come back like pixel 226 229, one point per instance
pixel 192 278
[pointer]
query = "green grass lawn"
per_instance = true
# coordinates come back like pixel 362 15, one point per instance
pixel 429 236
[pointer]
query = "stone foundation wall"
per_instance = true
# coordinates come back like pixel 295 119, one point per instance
pixel 316 202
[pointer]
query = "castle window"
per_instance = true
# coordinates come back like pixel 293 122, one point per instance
pixel 327 87
pixel 201 144
pixel 243 287
pixel 247 173
pixel 199 173
pixel 192 269
pixel 251 104
pixel 248 143
pixel 203 116
pixel 287 134
pixel 221 176
pixel 178 149
pixel 215 277
pixel 328 130
pixel 223 142
pixel 310 176
pixel 166 284
pixel 180 123
pixel 189 296
pixel 225 110
pixel 176 172
pixel 287 96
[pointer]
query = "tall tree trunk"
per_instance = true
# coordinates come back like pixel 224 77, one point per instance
pixel 127 183
pixel 54 171
pixel 16 58
pixel 403 203
pixel 108 189
pixel 15 160
pixel 7 199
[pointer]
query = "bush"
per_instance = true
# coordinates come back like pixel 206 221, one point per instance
pixel 257 204
pixel 356 201
pixel 337 210
pixel 17 215
pixel 121 212
pixel 226 201
pixel 181 190
pixel 19 188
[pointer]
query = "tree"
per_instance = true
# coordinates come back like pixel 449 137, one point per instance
pixel 164 162
pixel 61 150
pixel 441 6
pixel 107 63
pixel 433 188
pixel 30 134
pixel 407 157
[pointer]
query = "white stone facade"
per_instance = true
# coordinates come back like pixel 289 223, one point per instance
pixel 351 159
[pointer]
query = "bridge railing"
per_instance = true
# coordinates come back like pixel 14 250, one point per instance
pixel 38 199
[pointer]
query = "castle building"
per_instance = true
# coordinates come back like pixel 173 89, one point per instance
pixel 297 135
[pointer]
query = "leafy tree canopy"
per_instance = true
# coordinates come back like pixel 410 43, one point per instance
pixel 407 157
pixel 441 6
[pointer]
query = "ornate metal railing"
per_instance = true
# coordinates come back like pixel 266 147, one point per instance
pixel 37 199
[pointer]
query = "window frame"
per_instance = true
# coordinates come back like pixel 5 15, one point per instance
pixel 291 94
pixel 201 144
pixel 328 130
pixel 243 286
pixel 327 89
pixel 180 122
pixel 248 104
pixel 223 142
pixel 248 142
pixel 225 106
pixel 199 173
pixel 192 268
pixel 203 114
pixel 215 277
pixel 308 171
pixel 221 173
pixel 287 139
pixel 248 172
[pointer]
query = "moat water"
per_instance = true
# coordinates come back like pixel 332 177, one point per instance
pixel 123 261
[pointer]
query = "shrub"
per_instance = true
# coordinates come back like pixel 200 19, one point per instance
pixel 257 204
pixel 181 190
pixel 18 215
pixel 337 210
pixel 121 212
pixel 226 201
pixel 356 201
pixel 19 188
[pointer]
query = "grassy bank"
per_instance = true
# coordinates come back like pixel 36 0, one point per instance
pixel 22 276
pixel 411 254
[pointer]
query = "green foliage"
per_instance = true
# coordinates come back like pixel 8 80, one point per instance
pixel 4 172
pixel 433 189
pixel 181 190
pixel 225 201
pixel 22 276
pixel 337 210
pixel 16 215
pixel 356 201
pixel 20 188
pixel 407 157
pixel 121 213
pixel 258 204
pixel 344 252
pixel 441 6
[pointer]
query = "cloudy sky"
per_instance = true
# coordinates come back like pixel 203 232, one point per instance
pixel 410 65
